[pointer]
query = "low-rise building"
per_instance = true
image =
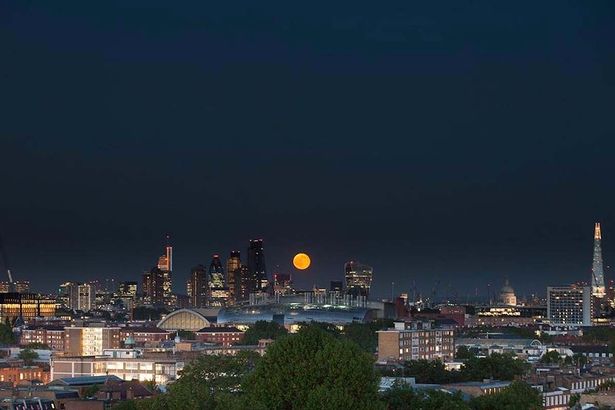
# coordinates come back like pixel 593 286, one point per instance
pixel 52 336
pixel 125 366
pixel 222 335
pixel 144 334
pixel 17 374
pixel 414 341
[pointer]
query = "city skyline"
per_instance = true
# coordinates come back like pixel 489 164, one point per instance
pixel 444 291
pixel 458 145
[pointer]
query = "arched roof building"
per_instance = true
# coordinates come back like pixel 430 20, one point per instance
pixel 188 319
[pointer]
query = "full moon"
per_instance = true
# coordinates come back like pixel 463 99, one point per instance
pixel 301 261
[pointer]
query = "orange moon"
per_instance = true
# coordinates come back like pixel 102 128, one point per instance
pixel 301 261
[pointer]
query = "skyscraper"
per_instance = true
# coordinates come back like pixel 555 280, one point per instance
pixel 199 289
pixel 165 266
pixel 153 286
pixel 358 278
pixel 216 273
pixel 598 288
pixel 256 266
pixel 233 263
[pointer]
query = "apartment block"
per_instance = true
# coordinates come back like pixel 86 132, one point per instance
pixel 414 341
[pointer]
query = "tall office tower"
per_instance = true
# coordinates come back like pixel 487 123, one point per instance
pixel 256 266
pixel 244 283
pixel 282 284
pixel 199 287
pixel 233 263
pixel 86 298
pixel 598 288
pixel 569 305
pixel 68 295
pixel 127 289
pixel 153 286
pixel 216 273
pixel 165 265
pixel 358 278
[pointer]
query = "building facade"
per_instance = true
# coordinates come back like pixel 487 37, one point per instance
pixel 125 364
pixel 415 341
pixel 222 335
pixel 569 305
pixel 198 287
pixel 52 336
pixel 83 341
pixel 233 264
pixel 358 278
pixel 26 306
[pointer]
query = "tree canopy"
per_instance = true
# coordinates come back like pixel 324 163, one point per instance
pixel 7 337
pixel 28 356
pixel 303 371
pixel 517 396
pixel 263 330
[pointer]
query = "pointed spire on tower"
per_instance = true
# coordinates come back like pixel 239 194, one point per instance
pixel 598 287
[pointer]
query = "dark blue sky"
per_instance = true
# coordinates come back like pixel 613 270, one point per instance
pixel 453 141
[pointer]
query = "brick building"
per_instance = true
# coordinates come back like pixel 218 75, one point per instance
pixel 415 340
pixel 225 336
pixel 52 336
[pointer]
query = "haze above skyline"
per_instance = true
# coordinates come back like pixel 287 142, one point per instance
pixel 459 143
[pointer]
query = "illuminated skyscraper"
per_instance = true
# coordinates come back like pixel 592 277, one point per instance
pixel 358 278
pixel 233 263
pixel 216 273
pixel 199 289
pixel 165 265
pixel 256 266
pixel 598 288
pixel 153 286
pixel 127 289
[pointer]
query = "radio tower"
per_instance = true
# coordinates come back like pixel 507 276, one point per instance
pixel 598 288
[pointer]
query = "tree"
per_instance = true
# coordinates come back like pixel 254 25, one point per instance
pixel 206 382
pixel 430 371
pixel 28 356
pixel 364 334
pixel 517 396
pixel 263 329
pixel 7 337
pixel 496 366
pixel 403 397
pixel 305 370
pixel 91 391
pixel 464 353
pixel 551 357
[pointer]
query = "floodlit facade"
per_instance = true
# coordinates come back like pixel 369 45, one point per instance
pixel 25 305
pixel 122 363
pixel 90 340
pixel 569 305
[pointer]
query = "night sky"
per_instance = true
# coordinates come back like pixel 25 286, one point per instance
pixel 453 142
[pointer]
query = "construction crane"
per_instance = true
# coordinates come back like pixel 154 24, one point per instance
pixel 7 267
